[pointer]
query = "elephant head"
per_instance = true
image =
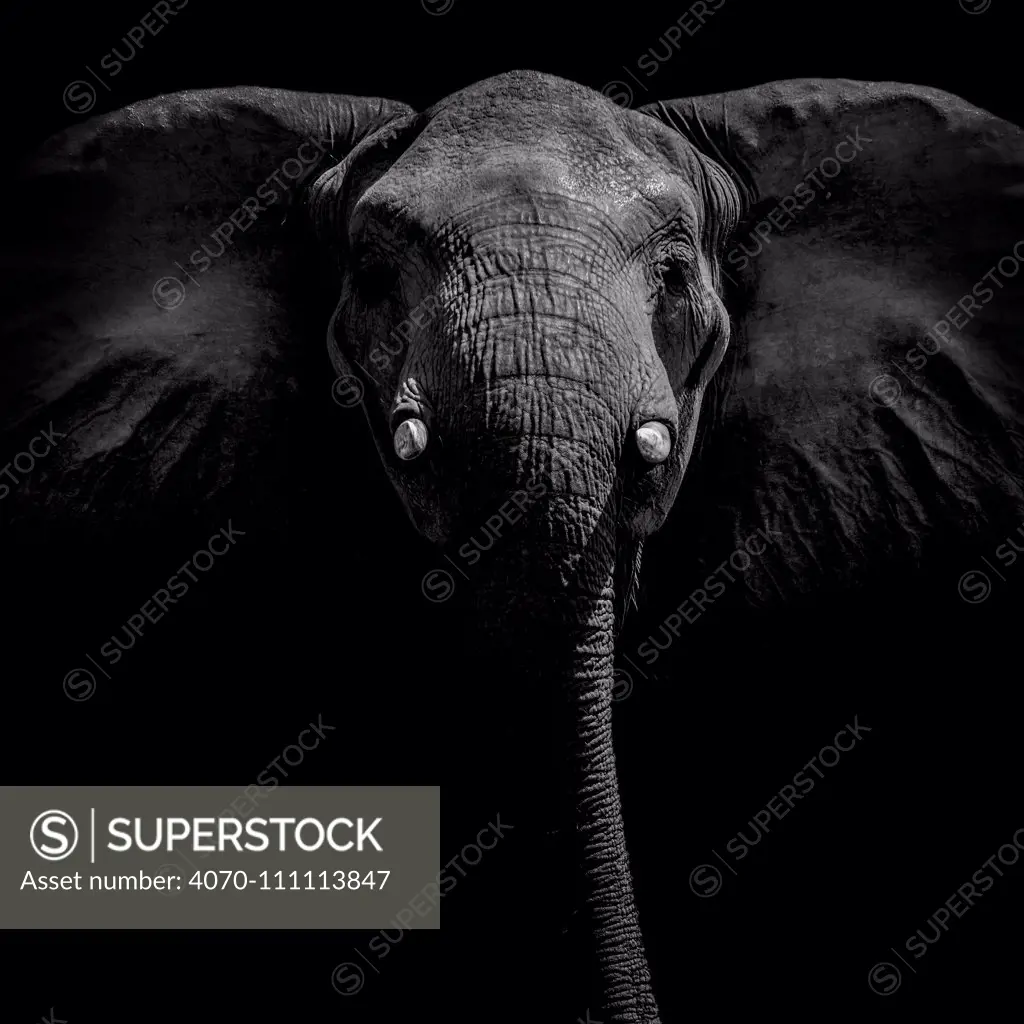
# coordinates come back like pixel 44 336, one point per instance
pixel 570 321
pixel 532 292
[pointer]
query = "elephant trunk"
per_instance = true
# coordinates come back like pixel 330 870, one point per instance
pixel 545 606
pixel 608 887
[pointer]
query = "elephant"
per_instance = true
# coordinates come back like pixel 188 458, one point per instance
pixel 572 330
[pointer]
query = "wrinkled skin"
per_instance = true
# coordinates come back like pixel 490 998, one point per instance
pixel 569 269
pixel 562 262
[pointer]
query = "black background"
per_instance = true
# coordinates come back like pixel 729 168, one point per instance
pixel 399 51
pixel 893 830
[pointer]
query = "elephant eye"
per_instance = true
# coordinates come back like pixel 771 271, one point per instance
pixel 673 277
pixel 673 272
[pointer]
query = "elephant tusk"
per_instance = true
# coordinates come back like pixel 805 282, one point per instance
pixel 410 439
pixel 654 442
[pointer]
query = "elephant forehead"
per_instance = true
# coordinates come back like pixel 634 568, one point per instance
pixel 613 191
pixel 461 180
pixel 606 179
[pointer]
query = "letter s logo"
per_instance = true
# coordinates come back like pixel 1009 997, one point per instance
pixel 437 585
pixel 884 979
pixel 46 824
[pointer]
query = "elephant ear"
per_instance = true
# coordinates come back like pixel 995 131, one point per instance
pixel 164 373
pixel 869 411
pixel 165 300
